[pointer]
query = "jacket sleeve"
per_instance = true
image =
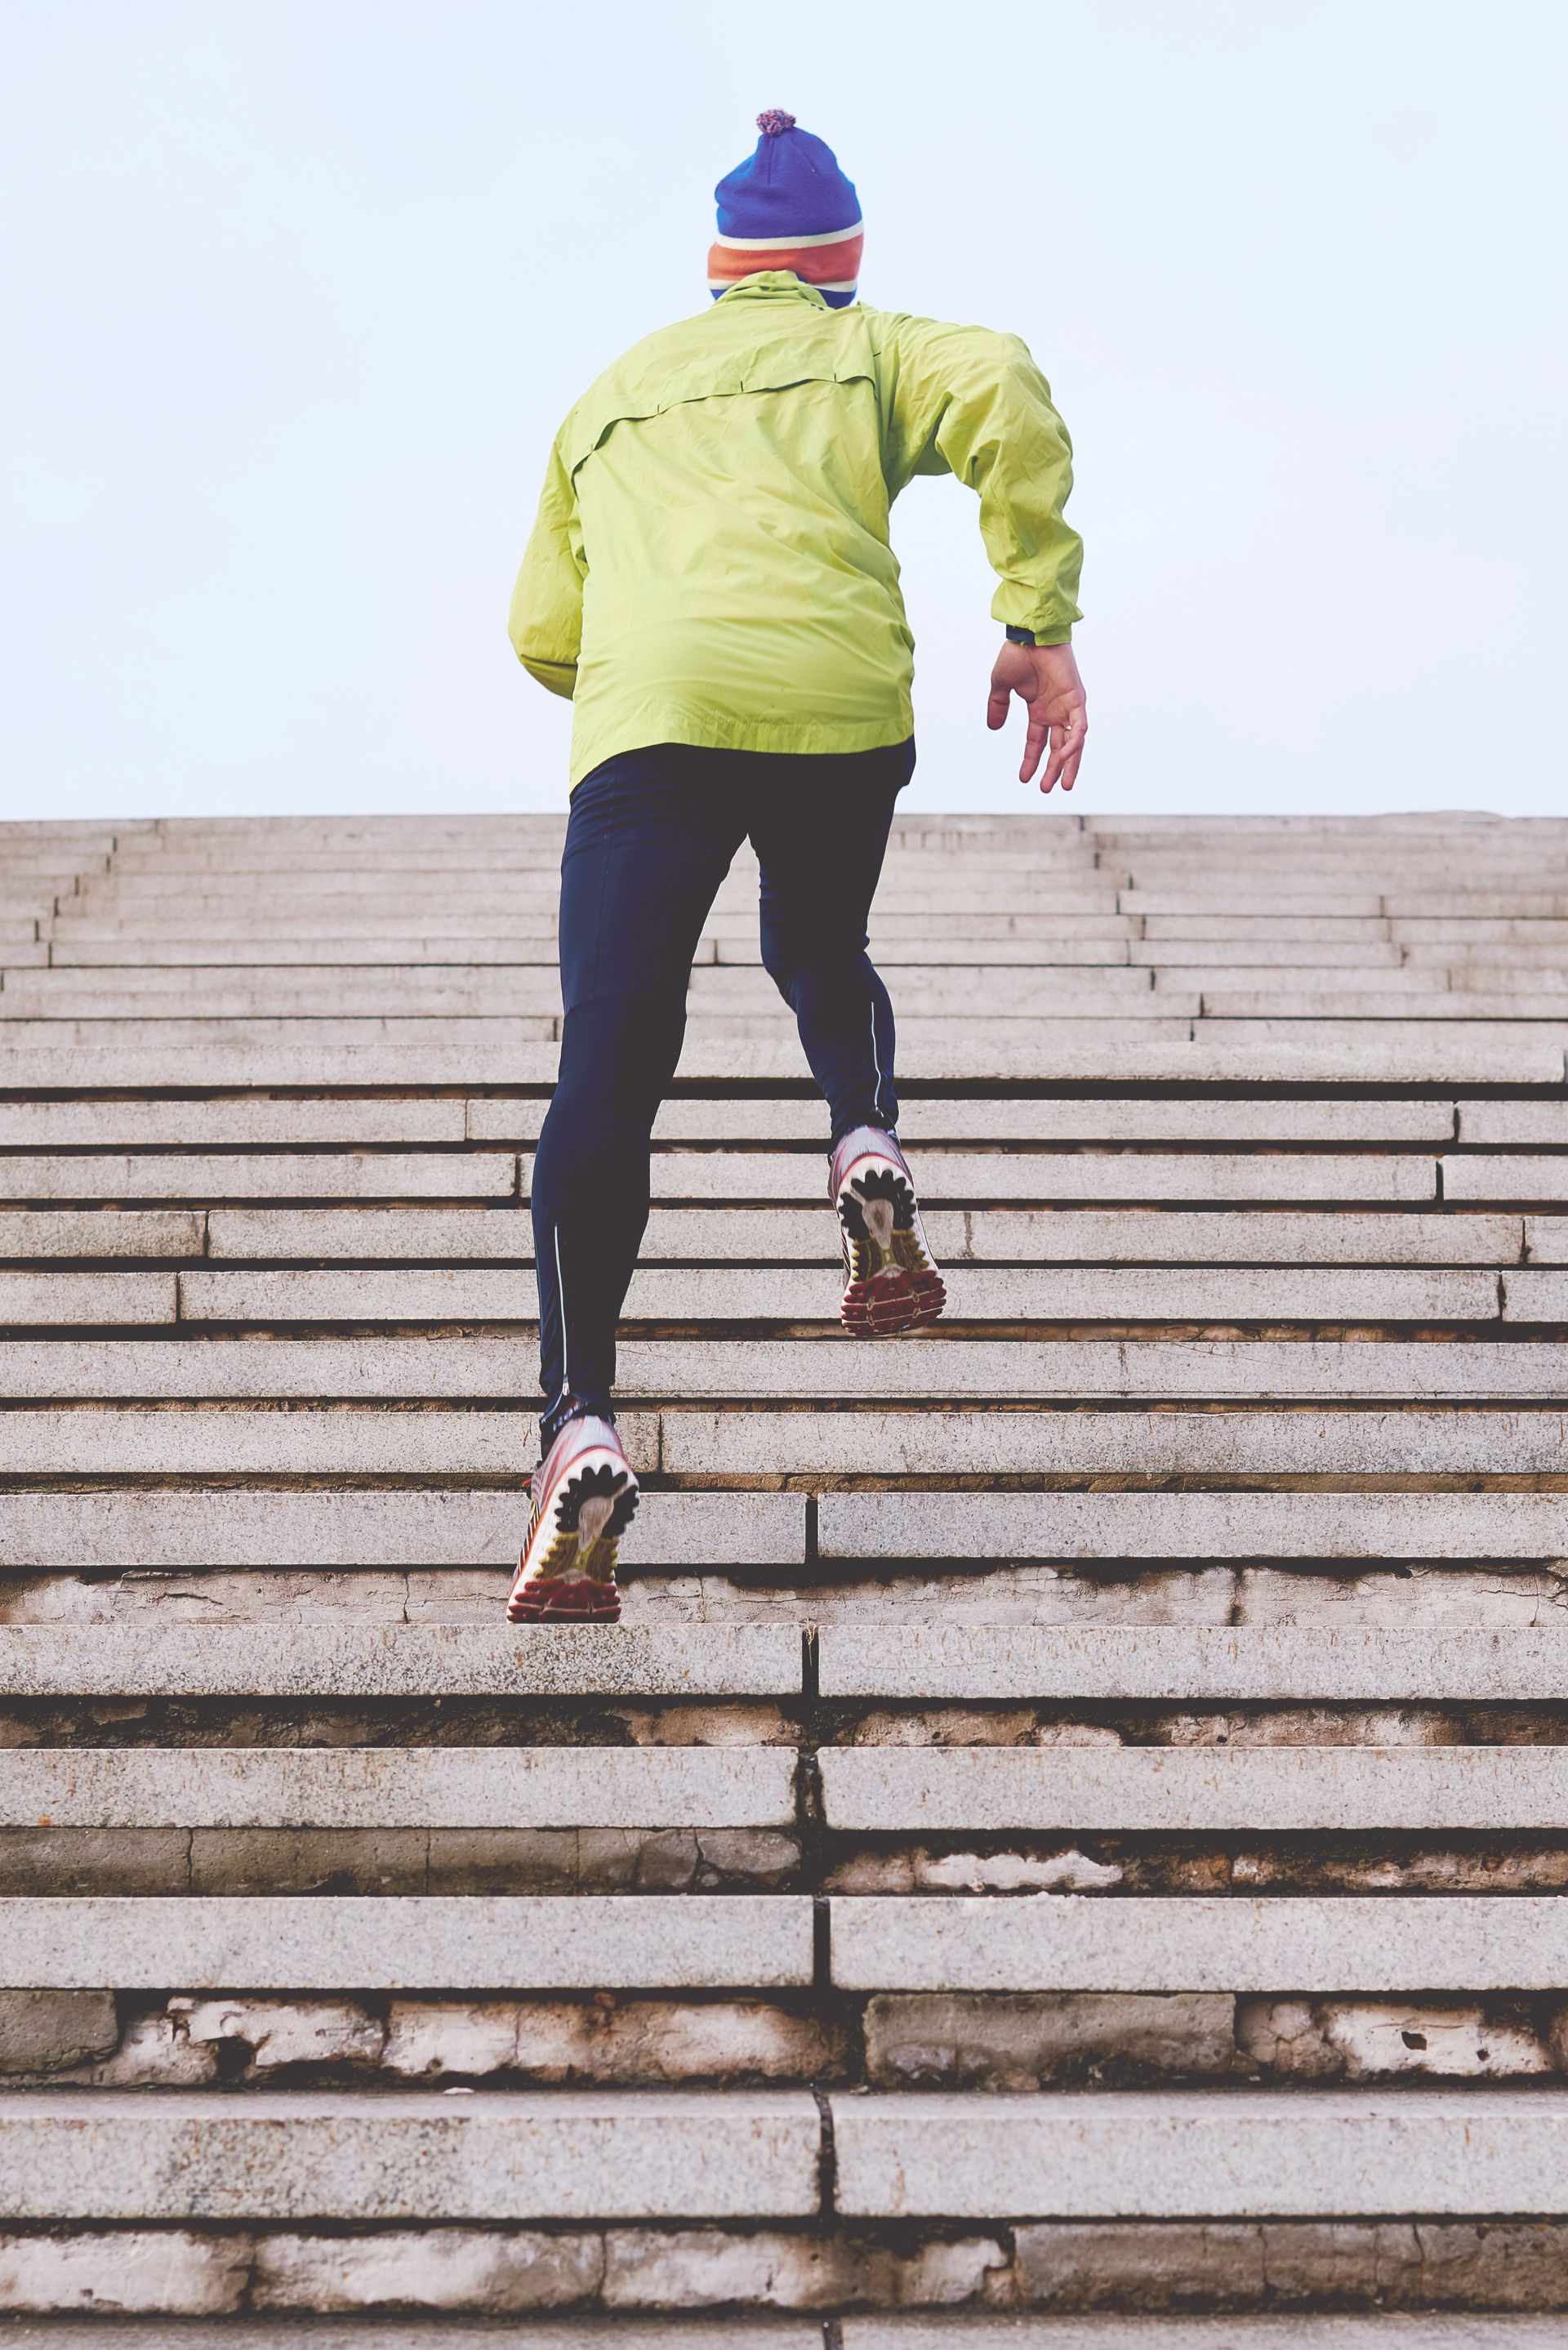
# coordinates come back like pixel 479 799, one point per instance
pixel 547 623
pixel 961 399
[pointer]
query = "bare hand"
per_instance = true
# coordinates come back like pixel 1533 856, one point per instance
pixel 1046 678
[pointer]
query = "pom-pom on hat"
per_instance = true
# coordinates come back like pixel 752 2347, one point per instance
pixel 788 206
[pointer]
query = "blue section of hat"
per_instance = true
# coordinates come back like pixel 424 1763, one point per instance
pixel 790 187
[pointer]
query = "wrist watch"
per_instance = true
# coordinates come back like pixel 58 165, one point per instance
pixel 1021 636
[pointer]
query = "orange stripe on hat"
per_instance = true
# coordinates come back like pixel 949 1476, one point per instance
pixel 820 265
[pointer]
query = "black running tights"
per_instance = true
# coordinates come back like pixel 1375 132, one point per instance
pixel 650 838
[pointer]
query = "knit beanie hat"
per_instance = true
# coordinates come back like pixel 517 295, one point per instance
pixel 788 206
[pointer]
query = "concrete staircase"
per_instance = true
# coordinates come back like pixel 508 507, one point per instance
pixel 1068 1845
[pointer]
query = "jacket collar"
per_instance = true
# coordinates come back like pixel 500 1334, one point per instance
pixel 772 285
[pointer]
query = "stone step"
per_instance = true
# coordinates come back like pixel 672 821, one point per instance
pixel 568 2155
pixel 81 921
pixel 985 1660
pixel 1408 991
pixel 579 2154
pixel 1326 894
pixel 1105 1526
pixel 1471 933
pixel 353 861
pixel 1199 2155
pixel 1533 1296
pixel 1312 1121
pixel 1379 1047
pixel 390 903
pixel 1482 1176
pixel 1226 1053
pixel 451 985
pixel 381 1594
pixel 1121 989
pixel 896 2330
pixel 232 1441
pixel 1516 1122
pixel 100 1233
pixel 262 1118
pixel 1318 1003
pixel 249 1175
pixel 962 2330
pixel 1075 1943
pixel 1177 1790
pixel 471 1943
pixel 1008 888
pixel 1188 1294
pixel 78 921
pixel 792 1177
pixel 1064 1943
pixel 1136 1175
pixel 1511 971
pixel 1319 949
pixel 1302 928
pixel 993 1662
pixel 77 949
pixel 139 1031
pixel 424 1787
pixel 350 1659
pixel 400 993
pixel 1459 828
pixel 741 1235
pixel 183 2272
pixel 187 1366
pixel 1063 1443
pixel 423 1526
pixel 58 1299
pixel 1309 1122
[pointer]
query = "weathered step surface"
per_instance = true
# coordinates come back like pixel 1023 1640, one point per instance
pixel 579 2154
pixel 124 1526
pixel 751 1369
pixel 738 1235
pixel 1199 2156
pixel 902 2330
pixel 471 1942
pixel 732 1122
pixel 1188 1789
pixel 363 1441
pixel 1060 1525
pixel 440 2334
pixel 346 1658
pixel 72 2155
pixel 423 2333
pixel 911 2331
pixel 1303 1946
pixel 1205 1663
pixel 992 1661
pixel 760 1295
pixel 1067 1175
pixel 369 1788
pixel 1209 1561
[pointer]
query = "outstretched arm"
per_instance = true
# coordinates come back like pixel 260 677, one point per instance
pixel 963 400
pixel 547 623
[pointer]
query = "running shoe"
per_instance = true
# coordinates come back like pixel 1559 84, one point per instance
pixel 890 1279
pixel 584 1496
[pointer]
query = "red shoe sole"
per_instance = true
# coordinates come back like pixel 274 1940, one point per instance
pixel 892 1302
pixel 567 1602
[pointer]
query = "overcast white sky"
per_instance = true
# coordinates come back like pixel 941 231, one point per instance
pixel 295 293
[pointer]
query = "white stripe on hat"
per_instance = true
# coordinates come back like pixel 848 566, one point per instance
pixel 777 244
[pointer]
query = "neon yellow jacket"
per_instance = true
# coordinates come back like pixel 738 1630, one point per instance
pixel 710 562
